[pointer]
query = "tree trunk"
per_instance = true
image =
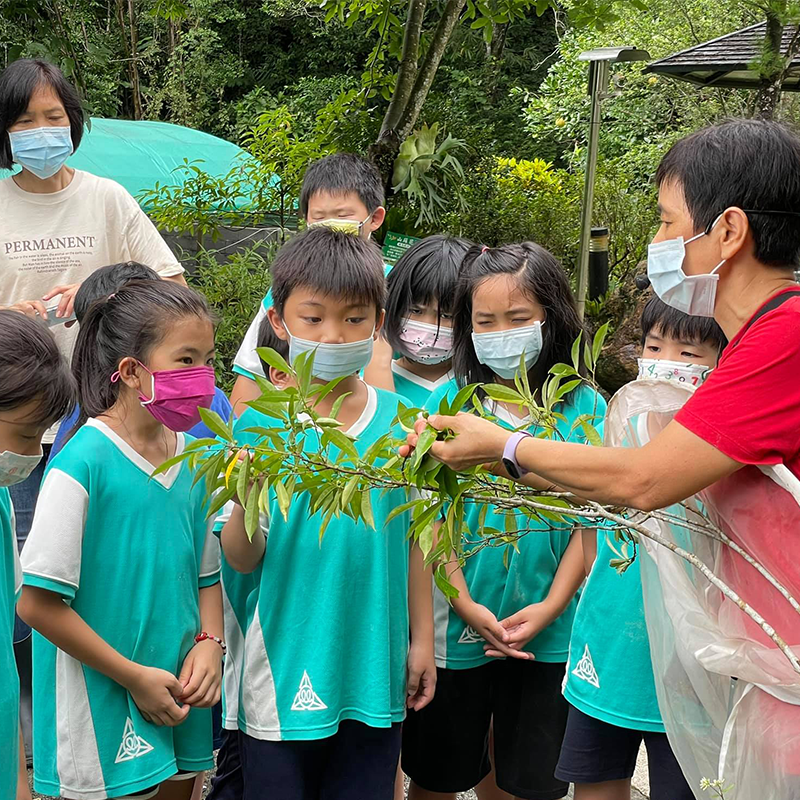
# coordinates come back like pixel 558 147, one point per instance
pixel 772 69
pixel 407 71
pixel 134 69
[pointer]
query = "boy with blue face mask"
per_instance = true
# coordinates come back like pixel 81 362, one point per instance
pixel 609 681
pixel 327 652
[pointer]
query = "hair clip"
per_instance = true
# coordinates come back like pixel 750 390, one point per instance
pixel 113 294
pixel 484 249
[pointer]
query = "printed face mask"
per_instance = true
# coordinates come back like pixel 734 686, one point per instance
pixel 501 350
pixel 331 360
pixel 680 372
pixel 15 468
pixel 692 294
pixel 42 151
pixel 352 226
pixel 178 395
pixel 427 344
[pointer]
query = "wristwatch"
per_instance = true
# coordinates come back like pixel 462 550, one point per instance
pixel 510 454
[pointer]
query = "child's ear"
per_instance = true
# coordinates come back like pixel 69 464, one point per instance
pixel 129 373
pixel 379 323
pixel 277 324
pixel 280 380
pixel 378 216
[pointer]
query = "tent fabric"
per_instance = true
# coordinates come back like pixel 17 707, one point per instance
pixel 138 154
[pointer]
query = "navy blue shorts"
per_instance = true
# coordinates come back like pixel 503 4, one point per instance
pixel 355 763
pixel 595 751
pixel 228 783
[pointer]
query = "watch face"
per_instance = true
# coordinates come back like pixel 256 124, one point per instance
pixel 511 468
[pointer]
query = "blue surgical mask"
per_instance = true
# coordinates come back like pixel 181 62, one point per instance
pixel 42 151
pixel 502 350
pixel 692 294
pixel 331 360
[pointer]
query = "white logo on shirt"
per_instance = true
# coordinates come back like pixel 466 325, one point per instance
pixel 469 636
pixel 306 698
pixel 585 670
pixel 132 745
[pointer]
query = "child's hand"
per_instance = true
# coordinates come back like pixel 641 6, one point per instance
pixel 483 622
pixel 522 627
pixel 154 692
pixel 201 676
pixel 421 682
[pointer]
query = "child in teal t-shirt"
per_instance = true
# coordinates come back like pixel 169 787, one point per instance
pixel 328 669
pixel 121 568
pixel 419 320
pixel 36 390
pixel 502 646
pixel 609 684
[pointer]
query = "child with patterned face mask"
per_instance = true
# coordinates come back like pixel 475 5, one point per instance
pixel 419 320
pixel 609 684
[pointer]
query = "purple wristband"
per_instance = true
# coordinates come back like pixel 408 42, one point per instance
pixel 510 454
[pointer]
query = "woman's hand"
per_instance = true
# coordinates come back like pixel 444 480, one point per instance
pixel 523 627
pixel 421 671
pixel 201 676
pixel 66 304
pixel 154 692
pixel 476 440
pixel 31 308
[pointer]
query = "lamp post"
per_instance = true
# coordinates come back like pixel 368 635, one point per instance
pixel 599 61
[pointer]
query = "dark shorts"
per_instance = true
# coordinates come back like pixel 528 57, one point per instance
pixel 595 751
pixel 228 783
pixel 446 745
pixel 355 763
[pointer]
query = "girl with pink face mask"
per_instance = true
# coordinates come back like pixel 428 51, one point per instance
pixel 419 326
pixel 121 569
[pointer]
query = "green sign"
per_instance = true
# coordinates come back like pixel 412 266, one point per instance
pixel 395 244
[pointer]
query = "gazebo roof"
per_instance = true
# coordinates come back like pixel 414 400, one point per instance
pixel 728 61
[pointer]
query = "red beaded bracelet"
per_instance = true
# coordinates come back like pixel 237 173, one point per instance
pixel 203 636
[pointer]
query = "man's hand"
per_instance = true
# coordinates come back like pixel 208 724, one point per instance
pixel 31 308
pixel 476 440
pixel 483 622
pixel 523 627
pixel 201 675
pixel 66 304
pixel 421 682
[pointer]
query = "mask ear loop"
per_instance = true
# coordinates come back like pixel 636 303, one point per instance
pixel 116 376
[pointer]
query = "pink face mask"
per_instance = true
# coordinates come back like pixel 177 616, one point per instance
pixel 426 344
pixel 178 395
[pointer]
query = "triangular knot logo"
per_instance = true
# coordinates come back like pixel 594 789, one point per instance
pixel 470 636
pixel 306 698
pixel 585 670
pixel 132 745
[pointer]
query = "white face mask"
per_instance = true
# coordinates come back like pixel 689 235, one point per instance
pixel 426 344
pixel 352 226
pixel 677 371
pixel 15 468
pixel 692 294
pixel 501 350
pixel 333 361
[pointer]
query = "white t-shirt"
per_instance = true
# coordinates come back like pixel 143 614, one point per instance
pixel 62 237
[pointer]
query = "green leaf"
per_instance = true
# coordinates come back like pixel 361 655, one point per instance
pixel 461 399
pixel 283 500
pixel 599 339
pixel 243 477
pixel 349 488
pixel 503 394
pixel 303 365
pixel 169 463
pixel 425 539
pixel 401 509
pixel 340 440
pixel 220 498
pixel 366 509
pixel 576 353
pixel 565 389
pixel 251 512
pixel 443 584
pixel 424 443
pixel 216 424
pixel 198 444
pixel 591 434
pixel 274 359
pixel 447 481
pixel 337 404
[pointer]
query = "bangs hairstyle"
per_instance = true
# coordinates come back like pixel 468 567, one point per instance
pixel 107 280
pixel 679 326
pixel 751 164
pixel 426 273
pixel 341 174
pixel 33 368
pixel 18 81
pixel 539 275
pixel 332 263
pixel 129 324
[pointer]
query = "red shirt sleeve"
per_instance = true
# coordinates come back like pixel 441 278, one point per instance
pixel 749 408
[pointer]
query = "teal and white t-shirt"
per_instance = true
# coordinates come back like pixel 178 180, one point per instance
pixel 246 362
pixel 416 389
pixel 530 572
pixel 129 553
pixel 610 675
pixel 329 637
pixel 10 585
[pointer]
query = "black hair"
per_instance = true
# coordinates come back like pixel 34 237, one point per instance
pixel 128 324
pixel 268 338
pixel 749 164
pixel 540 276
pixel 427 272
pixel 680 326
pixel 18 81
pixel 340 174
pixel 108 280
pixel 33 368
pixel 330 262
